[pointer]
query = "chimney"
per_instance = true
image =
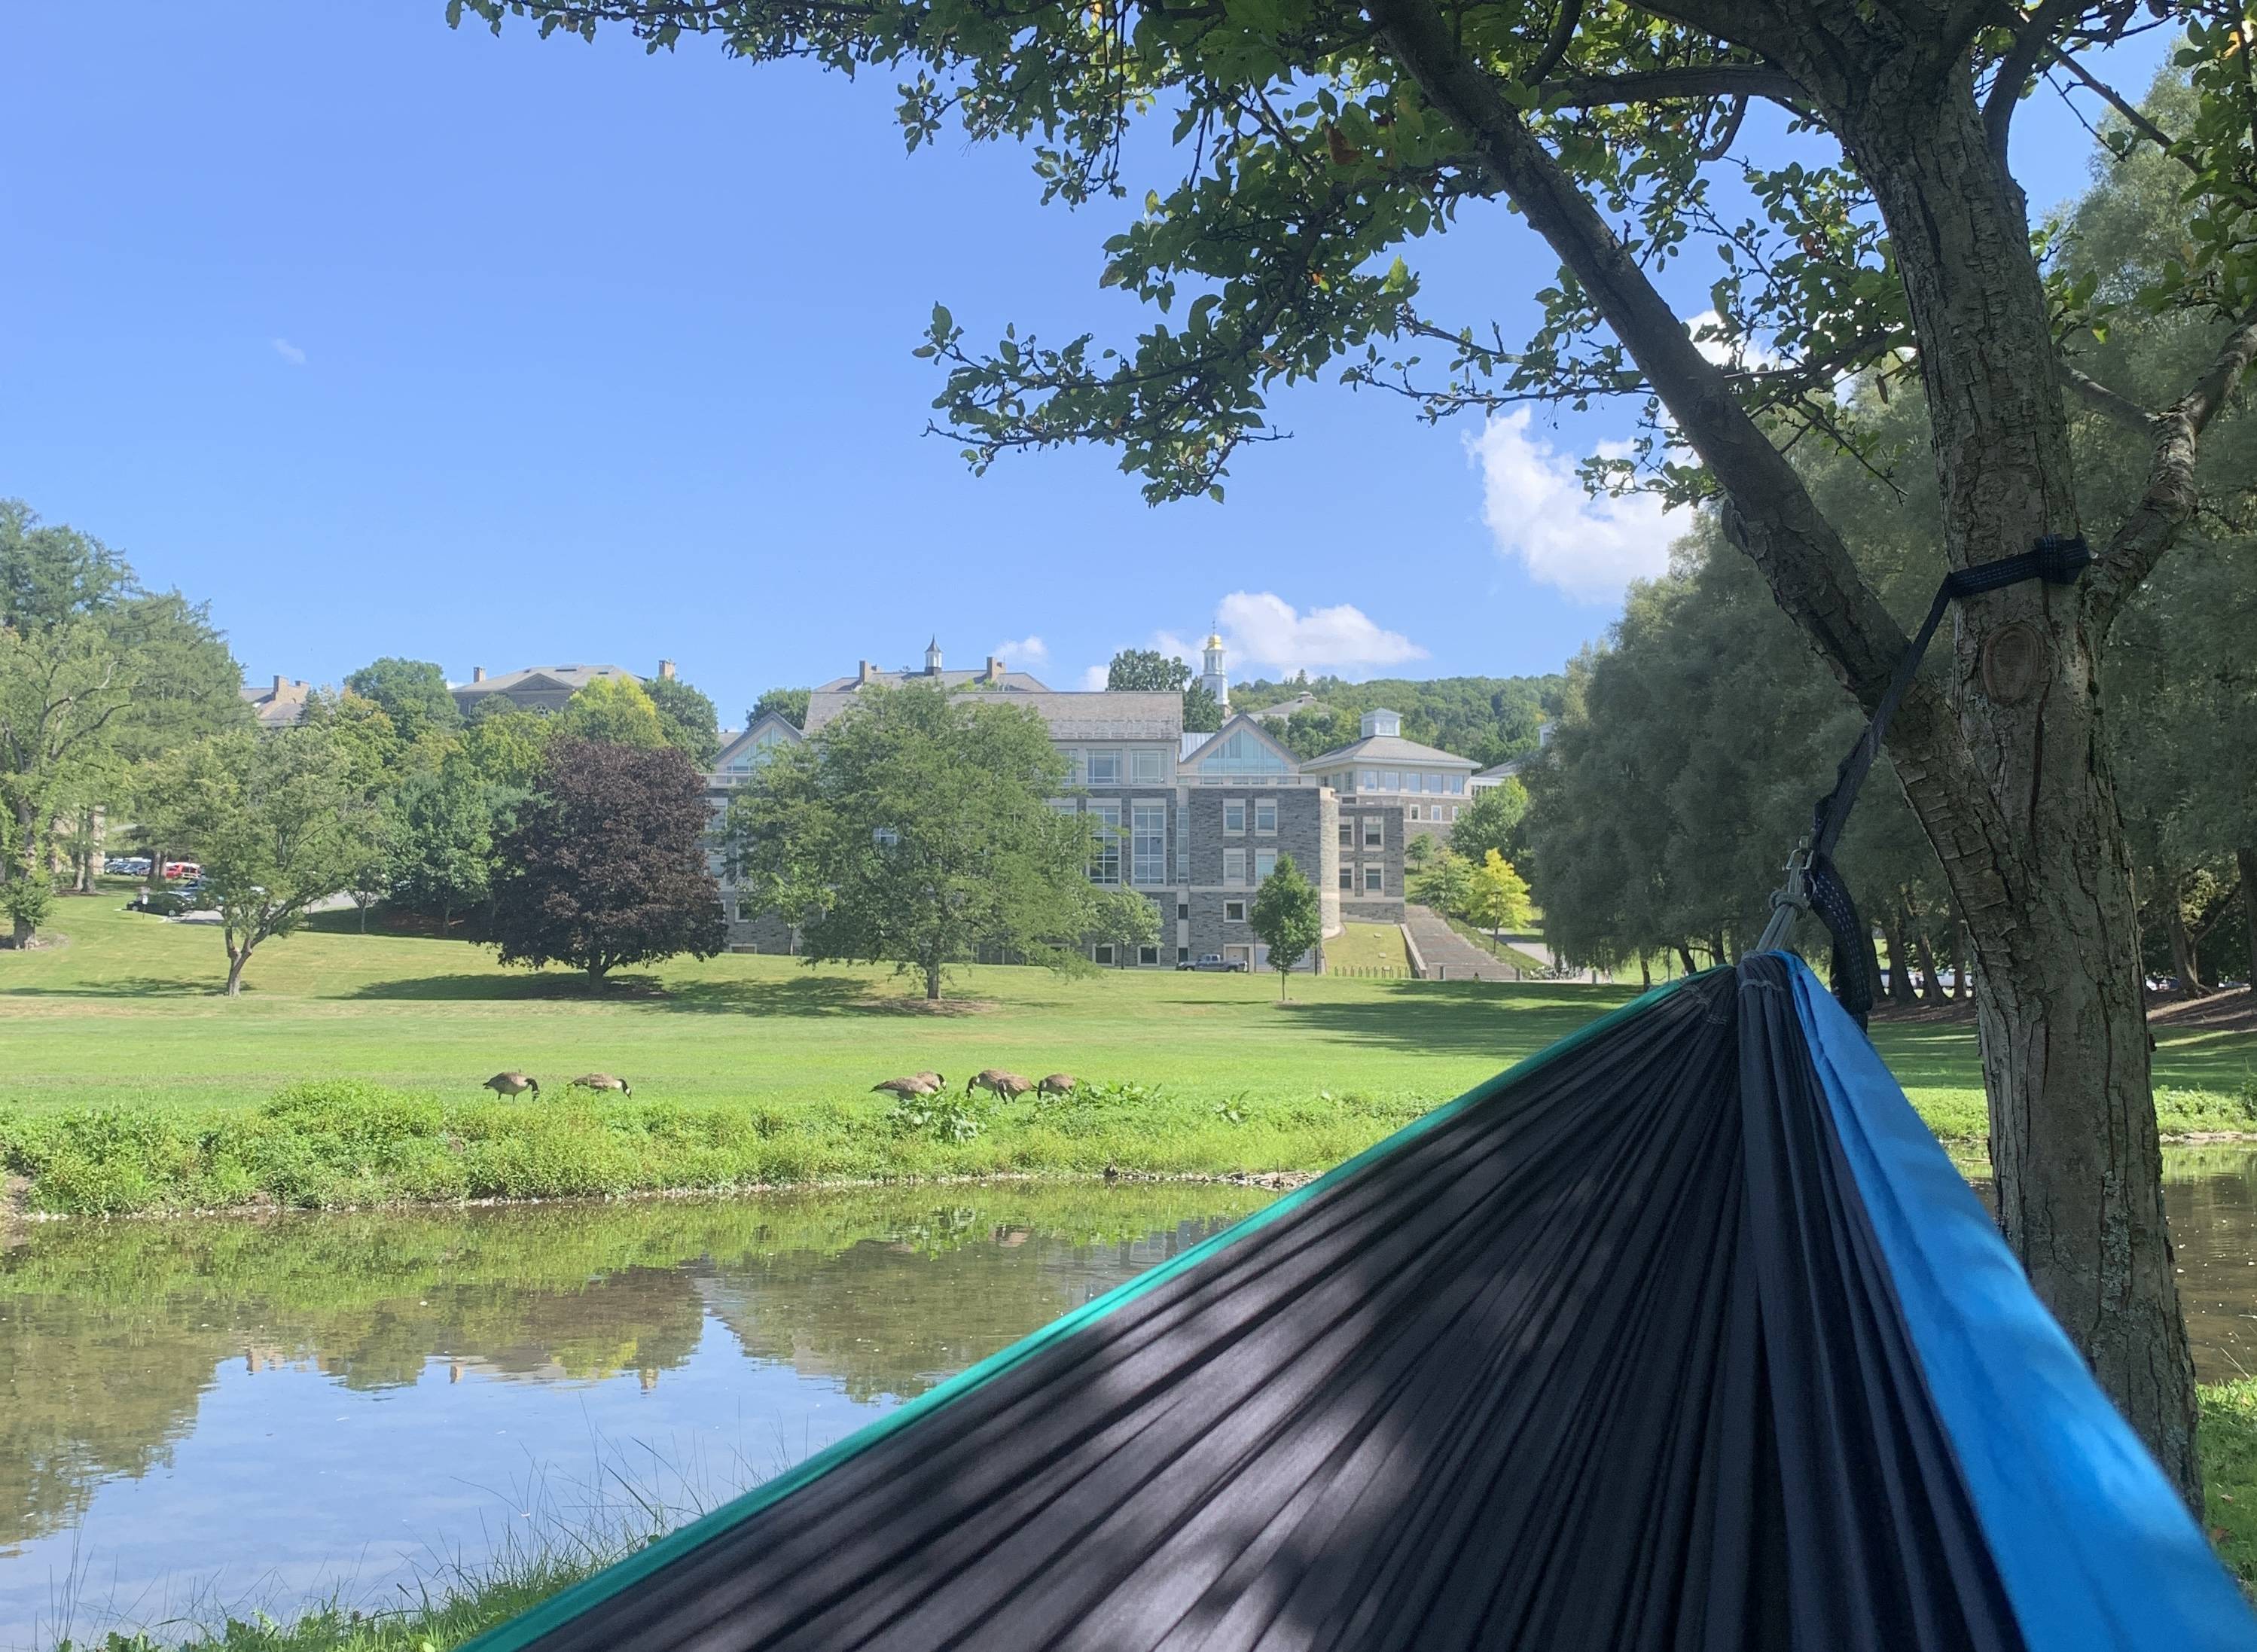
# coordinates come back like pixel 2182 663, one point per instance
pixel 478 673
pixel 281 682
pixel 666 670
pixel 869 672
pixel 994 669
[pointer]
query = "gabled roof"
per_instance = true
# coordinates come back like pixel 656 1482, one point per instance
pixel 1102 714
pixel 535 678
pixel 1507 769
pixel 1283 708
pixel 1391 748
pixel 1252 726
pixel 734 741
pixel 1013 680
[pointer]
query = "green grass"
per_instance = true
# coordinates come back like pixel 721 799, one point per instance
pixel 1366 947
pixel 2229 1471
pixel 1504 951
pixel 350 1071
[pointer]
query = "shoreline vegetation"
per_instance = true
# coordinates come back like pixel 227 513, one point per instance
pixel 133 1089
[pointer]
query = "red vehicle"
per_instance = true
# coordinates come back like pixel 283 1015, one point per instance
pixel 182 869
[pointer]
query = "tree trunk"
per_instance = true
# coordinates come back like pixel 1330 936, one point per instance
pixel 1899 956
pixel 2184 958
pixel 1685 956
pixel 932 984
pixel 236 960
pixel 2246 859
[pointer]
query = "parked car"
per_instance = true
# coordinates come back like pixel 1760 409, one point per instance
pixel 1216 963
pixel 182 869
pixel 126 866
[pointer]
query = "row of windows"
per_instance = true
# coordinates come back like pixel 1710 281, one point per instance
pixel 1374 832
pixel 1233 866
pixel 1234 816
pixel 1374 880
pixel 1396 781
pixel 1101 767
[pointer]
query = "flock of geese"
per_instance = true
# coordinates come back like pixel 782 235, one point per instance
pixel 994 1080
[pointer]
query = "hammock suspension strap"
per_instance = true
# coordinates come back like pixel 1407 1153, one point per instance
pixel 1813 882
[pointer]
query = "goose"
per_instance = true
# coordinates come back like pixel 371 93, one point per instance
pixel 916 1084
pixel 999 1082
pixel 514 1083
pixel 1055 1084
pixel 603 1081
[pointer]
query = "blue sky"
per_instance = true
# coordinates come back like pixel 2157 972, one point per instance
pixel 388 339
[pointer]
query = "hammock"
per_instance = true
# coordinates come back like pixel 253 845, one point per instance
pixel 1682 1334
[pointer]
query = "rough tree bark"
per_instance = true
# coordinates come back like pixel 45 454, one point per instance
pixel 2013 792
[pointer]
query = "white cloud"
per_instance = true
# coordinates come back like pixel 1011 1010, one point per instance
pixel 1094 677
pixel 1261 628
pixel 1538 512
pixel 1025 653
pixel 1723 351
pixel 288 351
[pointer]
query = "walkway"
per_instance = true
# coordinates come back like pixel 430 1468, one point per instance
pixel 1449 955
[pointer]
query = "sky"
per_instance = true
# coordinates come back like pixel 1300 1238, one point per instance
pixel 387 339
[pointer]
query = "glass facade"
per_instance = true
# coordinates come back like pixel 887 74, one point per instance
pixel 1148 843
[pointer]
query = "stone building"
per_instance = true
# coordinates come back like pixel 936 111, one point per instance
pixel 1193 821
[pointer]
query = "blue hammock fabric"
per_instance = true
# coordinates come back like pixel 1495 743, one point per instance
pixel 1683 1334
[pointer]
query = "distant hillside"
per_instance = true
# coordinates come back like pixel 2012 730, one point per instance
pixel 1488 719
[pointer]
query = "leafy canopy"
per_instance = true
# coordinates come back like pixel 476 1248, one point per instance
pixel 412 693
pixel 915 830
pixel 686 718
pixel 1288 917
pixel 1149 669
pixel 614 710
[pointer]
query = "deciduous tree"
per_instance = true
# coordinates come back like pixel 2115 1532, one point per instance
pixel 686 718
pixel 278 821
pixel 915 829
pixel 1497 897
pixel 1147 669
pixel 790 704
pixel 615 710
pixel 412 693
pixel 605 865
pixel 1319 140
pixel 1288 916
pixel 1123 920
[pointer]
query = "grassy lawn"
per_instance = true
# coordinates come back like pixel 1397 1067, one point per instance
pixel 1504 950
pixel 1366 947
pixel 129 1083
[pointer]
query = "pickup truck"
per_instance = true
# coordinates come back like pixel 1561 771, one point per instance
pixel 1216 963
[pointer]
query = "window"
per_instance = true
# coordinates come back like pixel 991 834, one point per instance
pixel 1234 865
pixel 1144 767
pixel 1348 877
pixel 1234 912
pixel 1453 811
pixel 1076 771
pixel 1371 779
pixel 1265 816
pixel 1265 862
pixel 1183 909
pixel 1183 955
pixel 1234 816
pixel 1372 881
pixel 1148 843
pixel 1148 954
pixel 1105 768
pixel 1245 753
pixel 1390 780
pixel 1347 834
pixel 1457 783
pixel 1102 952
pixel 1105 856
pixel 1375 832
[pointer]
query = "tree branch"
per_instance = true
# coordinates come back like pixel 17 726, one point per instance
pixel 2114 99
pixel 1660 86
pixel 1563 36
pixel 2171 498
pixel 2032 39
pixel 2101 398
pixel 1804 558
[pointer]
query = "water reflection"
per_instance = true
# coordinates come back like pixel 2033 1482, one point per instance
pixel 201 1414
pixel 272 1410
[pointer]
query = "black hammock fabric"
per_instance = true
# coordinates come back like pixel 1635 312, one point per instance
pixel 1681 1335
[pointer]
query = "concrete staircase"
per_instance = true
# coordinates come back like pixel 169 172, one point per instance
pixel 1446 953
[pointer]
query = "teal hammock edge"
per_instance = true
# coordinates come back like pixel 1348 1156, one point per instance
pixel 562 1607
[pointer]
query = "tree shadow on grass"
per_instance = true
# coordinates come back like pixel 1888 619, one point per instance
pixel 1457 1017
pixel 802 996
pixel 119 986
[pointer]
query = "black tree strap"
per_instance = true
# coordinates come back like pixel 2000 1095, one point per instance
pixel 1813 881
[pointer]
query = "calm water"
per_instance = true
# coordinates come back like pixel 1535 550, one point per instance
pixel 200 1416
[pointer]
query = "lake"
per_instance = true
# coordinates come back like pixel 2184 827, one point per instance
pixel 213 1415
